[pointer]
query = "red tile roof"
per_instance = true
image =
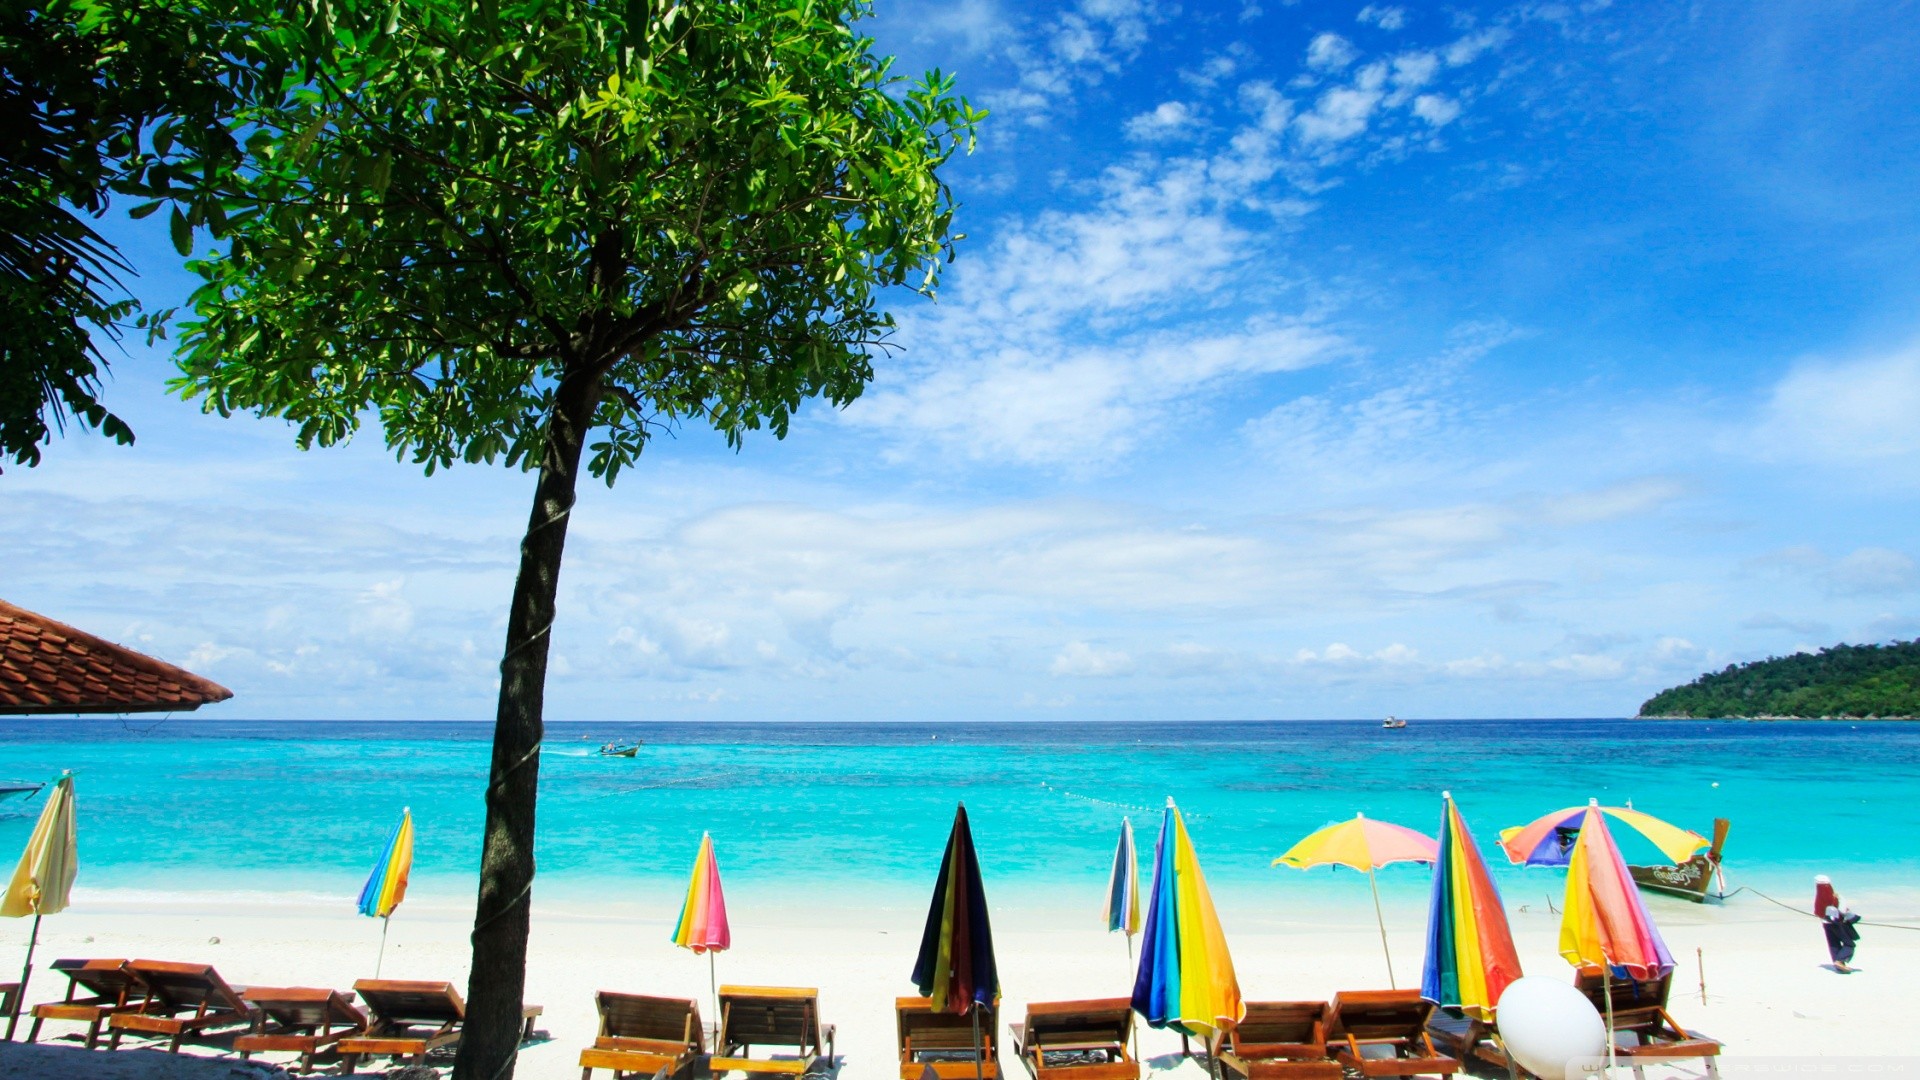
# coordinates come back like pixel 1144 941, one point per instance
pixel 49 667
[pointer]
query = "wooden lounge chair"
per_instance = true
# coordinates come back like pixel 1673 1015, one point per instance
pixel 641 1035
pixel 770 1016
pixel 1077 1040
pixel 299 1019
pixel 1475 1042
pixel 1384 1033
pixel 410 1018
pixel 109 987
pixel 181 1000
pixel 1281 1040
pixel 944 1042
pixel 1642 1029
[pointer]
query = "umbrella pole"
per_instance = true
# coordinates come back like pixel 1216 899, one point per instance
pixel 1382 919
pixel 713 986
pixel 1606 985
pixel 979 1051
pixel 26 971
pixel 381 958
pixel 1131 1026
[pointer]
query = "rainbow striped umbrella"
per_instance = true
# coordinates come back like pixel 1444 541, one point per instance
pixel 702 925
pixel 1548 840
pixel 1186 978
pixel 1123 887
pixel 1470 953
pixel 1605 924
pixel 387 885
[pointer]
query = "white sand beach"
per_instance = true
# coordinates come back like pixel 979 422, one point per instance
pixel 1768 992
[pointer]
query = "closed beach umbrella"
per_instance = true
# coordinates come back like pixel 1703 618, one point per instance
pixel 42 881
pixel 1364 844
pixel 1185 980
pixel 387 885
pixel 1548 840
pixel 1470 954
pixel 955 969
pixel 1605 924
pixel 702 925
pixel 1123 890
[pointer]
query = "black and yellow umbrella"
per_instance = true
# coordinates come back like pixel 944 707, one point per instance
pixel 955 969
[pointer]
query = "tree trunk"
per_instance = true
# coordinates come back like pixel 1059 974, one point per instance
pixel 498 976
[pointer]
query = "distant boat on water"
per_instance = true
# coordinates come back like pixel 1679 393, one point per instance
pixel 620 749
pixel 1392 723
pixel 20 789
pixel 1699 879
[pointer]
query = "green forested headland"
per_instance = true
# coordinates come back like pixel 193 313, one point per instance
pixel 1845 681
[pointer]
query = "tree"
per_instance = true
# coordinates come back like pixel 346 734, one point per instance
pixel 538 232
pixel 102 97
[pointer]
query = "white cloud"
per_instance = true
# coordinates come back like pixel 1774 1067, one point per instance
pixel 1330 52
pixel 1386 18
pixel 1467 49
pixel 1168 120
pixel 1861 410
pixel 1436 109
pixel 1083 660
pixel 1873 571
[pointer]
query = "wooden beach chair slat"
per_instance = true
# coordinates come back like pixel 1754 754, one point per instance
pixel 1384 1033
pixel 1640 1015
pixel 1281 1040
pixel 640 1033
pixel 181 999
pixel 299 1019
pixel 943 1041
pixel 110 988
pixel 770 1017
pixel 411 1018
pixel 1092 1035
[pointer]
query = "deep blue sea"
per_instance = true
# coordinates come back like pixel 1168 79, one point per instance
pixel 198 805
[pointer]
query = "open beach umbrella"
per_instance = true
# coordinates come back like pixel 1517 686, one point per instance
pixel 387 885
pixel 42 881
pixel 955 968
pixel 702 925
pixel 1185 980
pixel 1364 844
pixel 1470 953
pixel 1548 840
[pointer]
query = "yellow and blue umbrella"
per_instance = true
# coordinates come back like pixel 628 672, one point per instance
pixel 387 885
pixel 1470 953
pixel 1185 980
pixel 1123 886
pixel 43 880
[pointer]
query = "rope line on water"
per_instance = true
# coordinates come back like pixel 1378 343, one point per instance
pixel 1808 914
pixel 1129 807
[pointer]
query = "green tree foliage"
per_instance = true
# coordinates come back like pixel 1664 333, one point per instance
pixel 539 232
pixel 101 97
pixel 1854 681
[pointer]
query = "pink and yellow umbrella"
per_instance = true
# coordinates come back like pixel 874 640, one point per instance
pixel 1363 844
pixel 702 926
pixel 1606 924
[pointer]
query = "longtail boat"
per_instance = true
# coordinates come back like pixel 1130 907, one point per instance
pixel 1697 879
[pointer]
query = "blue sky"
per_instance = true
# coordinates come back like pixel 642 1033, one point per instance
pixel 1306 360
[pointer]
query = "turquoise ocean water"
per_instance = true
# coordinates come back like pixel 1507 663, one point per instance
pixel 838 809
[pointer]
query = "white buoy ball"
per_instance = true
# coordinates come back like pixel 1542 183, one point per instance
pixel 1550 1028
